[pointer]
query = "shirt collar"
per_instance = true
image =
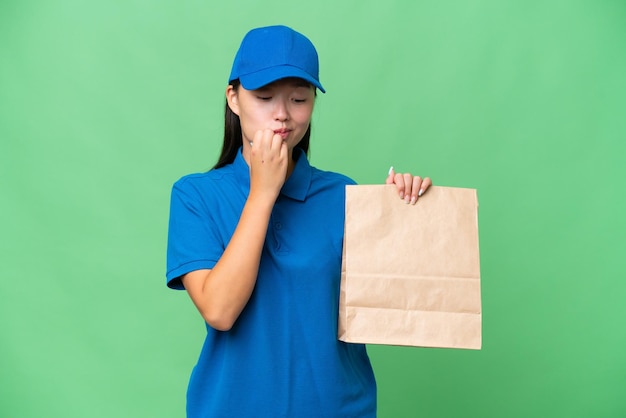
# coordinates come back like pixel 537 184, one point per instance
pixel 297 185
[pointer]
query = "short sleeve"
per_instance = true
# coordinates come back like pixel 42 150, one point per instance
pixel 193 240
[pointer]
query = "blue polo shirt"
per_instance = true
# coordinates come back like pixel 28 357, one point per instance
pixel 282 357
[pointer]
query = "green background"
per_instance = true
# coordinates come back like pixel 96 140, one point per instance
pixel 104 104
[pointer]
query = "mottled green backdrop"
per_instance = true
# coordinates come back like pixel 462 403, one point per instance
pixel 104 104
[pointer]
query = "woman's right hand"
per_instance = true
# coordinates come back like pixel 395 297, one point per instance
pixel 269 161
pixel 222 293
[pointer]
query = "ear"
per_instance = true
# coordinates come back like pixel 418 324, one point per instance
pixel 232 99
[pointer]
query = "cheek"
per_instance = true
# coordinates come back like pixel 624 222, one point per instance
pixel 303 115
pixel 250 118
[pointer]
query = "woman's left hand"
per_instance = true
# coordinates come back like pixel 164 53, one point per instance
pixel 410 187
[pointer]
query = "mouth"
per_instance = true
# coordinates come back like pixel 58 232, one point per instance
pixel 284 133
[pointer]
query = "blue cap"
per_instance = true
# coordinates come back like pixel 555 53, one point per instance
pixel 272 53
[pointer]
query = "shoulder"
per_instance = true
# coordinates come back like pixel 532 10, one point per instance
pixel 330 177
pixel 329 186
pixel 207 177
pixel 203 181
pixel 203 190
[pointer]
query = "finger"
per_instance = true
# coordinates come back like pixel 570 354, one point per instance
pixel 390 176
pixel 417 185
pixel 268 138
pixel 408 184
pixel 425 185
pixel 261 140
pixel 277 142
pixel 260 149
pixel 255 144
pixel 398 180
pixel 284 151
pixel 258 137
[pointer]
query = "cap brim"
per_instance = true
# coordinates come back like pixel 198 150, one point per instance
pixel 264 77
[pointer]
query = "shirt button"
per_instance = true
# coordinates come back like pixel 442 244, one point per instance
pixel 278 225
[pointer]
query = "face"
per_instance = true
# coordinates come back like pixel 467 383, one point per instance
pixel 284 107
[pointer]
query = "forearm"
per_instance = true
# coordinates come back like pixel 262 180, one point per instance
pixel 221 294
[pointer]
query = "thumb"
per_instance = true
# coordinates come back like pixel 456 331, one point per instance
pixel 390 176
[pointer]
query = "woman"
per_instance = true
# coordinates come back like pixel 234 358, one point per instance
pixel 257 244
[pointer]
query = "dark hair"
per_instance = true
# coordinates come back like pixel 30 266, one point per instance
pixel 233 135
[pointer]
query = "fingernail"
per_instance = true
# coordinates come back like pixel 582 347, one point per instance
pixel 401 195
pixel 421 192
pixel 390 170
pixel 407 199
pixel 413 200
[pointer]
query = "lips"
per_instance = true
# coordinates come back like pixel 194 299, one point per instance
pixel 284 133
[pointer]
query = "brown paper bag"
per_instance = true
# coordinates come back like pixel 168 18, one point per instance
pixel 411 274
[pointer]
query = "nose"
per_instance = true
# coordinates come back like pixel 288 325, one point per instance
pixel 281 111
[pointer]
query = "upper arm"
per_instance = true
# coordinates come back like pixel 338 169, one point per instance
pixel 194 240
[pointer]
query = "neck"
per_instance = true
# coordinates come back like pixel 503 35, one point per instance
pixel 292 164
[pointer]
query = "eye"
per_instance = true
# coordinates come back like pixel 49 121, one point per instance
pixel 264 98
pixel 298 100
